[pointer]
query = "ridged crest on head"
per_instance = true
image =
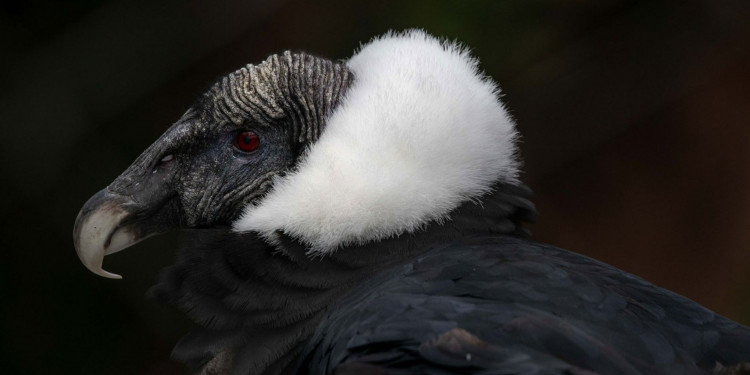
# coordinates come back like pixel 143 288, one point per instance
pixel 296 88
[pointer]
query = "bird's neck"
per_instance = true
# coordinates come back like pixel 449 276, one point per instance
pixel 257 304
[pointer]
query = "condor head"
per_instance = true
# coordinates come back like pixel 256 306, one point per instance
pixel 220 157
pixel 331 154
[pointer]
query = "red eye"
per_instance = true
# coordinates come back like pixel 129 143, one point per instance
pixel 247 141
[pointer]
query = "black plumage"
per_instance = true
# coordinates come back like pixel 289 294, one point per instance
pixel 468 296
pixel 498 304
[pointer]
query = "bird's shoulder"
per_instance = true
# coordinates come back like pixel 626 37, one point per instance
pixel 500 302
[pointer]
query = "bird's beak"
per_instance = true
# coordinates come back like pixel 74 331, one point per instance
pixel 109 222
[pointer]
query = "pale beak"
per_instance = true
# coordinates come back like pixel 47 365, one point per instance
pixel 108 223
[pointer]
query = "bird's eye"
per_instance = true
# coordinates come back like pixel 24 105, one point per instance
pixel 164 162
pixel 247 141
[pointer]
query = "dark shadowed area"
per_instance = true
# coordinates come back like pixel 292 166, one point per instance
pixel 635 118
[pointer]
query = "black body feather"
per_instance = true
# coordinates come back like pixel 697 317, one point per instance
pixel 470 295
pixel 503 305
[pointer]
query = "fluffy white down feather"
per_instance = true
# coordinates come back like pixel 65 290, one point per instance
pixel 419 132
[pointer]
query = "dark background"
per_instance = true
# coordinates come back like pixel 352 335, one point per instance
pixel 635 118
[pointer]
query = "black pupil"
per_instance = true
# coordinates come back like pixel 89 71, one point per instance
pixel 247 139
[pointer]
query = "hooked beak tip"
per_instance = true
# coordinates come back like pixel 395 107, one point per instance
pixel 97 231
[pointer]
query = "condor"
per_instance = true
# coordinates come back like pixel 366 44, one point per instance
pixel 366 217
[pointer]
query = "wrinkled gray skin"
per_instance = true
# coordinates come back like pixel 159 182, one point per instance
pixel 194 175
pixel 284 100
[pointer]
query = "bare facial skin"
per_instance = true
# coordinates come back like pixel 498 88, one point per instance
pixel 197 175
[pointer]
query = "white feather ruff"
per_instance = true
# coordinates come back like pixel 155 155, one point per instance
pixel 419 132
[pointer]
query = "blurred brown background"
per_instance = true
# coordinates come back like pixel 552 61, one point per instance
pixel 635 118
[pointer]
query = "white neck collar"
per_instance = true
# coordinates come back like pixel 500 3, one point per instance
pixel 419 132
